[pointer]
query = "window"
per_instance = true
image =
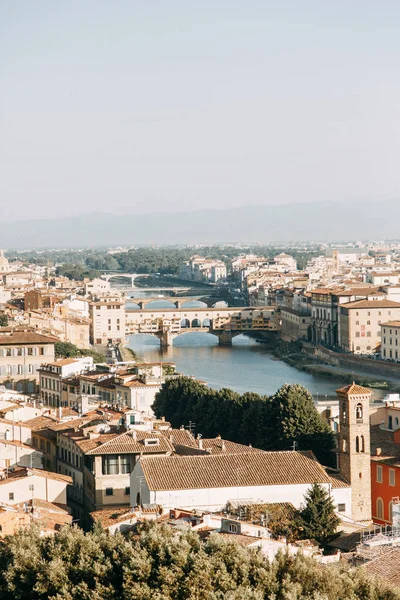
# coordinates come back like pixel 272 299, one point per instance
pixel 11 496
pixel 109 492
pixel 341 508
pixel 357 334
pixel 232 528
pixel 357 444
pixel 357 322
pixel 127 491
pixel 19 369
pixel 110 465
pixel 48 447
pixel 392 477
pixel 359 412
pixel 379 476
pixel 379 508
pixel 125 463
pixel 30 368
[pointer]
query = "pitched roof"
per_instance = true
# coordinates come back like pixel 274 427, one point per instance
pixel 126 443
pixel 371 304
pixel 390 324
pixel 26 337
pixel 232 470
pixel 389 451
pixel 386 566
pixel 353 389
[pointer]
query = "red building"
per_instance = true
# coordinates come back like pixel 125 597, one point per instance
pixel 385 472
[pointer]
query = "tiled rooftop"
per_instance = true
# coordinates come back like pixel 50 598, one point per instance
pixel 233 470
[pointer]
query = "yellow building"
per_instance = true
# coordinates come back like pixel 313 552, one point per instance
pixel 359 324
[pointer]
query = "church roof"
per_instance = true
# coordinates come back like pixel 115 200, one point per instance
pixel 353 390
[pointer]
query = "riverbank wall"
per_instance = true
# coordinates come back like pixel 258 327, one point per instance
pixel 354 363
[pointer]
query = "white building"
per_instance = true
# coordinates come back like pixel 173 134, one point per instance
pixel 52 375
pixel 209 482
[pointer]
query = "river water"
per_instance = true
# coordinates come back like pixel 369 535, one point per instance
pixel 246 366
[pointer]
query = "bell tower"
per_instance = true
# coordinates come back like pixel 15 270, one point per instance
pixel 354 451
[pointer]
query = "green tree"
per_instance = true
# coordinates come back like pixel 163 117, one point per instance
pixel 294 418
pixel 3 320
pixel 68 350
pixel 318 519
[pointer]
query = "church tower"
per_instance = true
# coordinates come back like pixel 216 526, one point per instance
pixel 354 450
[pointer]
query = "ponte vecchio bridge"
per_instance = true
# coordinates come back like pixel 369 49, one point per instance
pixel 225 323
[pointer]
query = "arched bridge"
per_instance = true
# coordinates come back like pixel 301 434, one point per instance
pixel 177 301
pixel 225 323
pixel 130 276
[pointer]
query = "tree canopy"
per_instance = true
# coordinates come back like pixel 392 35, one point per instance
pixel 68 350
pixel 269 423
pixel 158 563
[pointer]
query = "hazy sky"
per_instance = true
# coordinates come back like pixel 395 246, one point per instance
pixel 129 105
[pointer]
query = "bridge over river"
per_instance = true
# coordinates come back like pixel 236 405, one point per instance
pixel 225 323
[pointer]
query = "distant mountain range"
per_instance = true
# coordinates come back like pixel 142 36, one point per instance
pixel 289 222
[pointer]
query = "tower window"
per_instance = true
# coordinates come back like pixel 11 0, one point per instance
pixel 362 444
pixel 357 444
pixel 359 413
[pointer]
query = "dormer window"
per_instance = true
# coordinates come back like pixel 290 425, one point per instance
pixel 151 442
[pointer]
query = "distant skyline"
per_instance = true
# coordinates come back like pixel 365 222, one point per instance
pixel 138 107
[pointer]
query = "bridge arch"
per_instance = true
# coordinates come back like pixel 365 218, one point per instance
pixel 196 322
pixel 185 323
pixel 194 303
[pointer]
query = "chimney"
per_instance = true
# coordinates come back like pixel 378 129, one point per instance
pixel 93 435
pixel 134 436
pixel 223 447
pixel 200 442
pixel 378 451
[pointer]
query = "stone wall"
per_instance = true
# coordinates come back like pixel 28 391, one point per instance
pixel 353 362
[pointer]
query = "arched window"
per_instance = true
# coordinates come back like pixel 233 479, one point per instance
pixel 362 444
pixel 359 412
pixel 357 444
pixel 379 508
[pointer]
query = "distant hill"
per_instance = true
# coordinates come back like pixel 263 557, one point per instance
pixel 297 222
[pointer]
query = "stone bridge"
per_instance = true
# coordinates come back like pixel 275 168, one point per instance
pixel 225 323
pixel 130 276
pixel 178 302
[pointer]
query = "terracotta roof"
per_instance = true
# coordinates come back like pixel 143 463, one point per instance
pixel 86 444
pixel 113 516
pixel 26 337
pixel 125 443
pixel 353 389
pixel 181 437
pixel 62 362
pixel 338 481
pixel 391 324
pixel 21 472
pixel 219 446
pixel 389 450
pixel 370 304
pixel 386 566
pixel 232 470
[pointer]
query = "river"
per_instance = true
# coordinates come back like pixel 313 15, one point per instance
pixel 246 366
